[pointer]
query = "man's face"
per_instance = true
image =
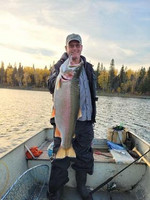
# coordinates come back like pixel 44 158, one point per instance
pixel 74 48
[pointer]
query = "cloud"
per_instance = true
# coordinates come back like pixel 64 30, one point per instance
pixel 110 29
pixel 24 49
pixel 30 37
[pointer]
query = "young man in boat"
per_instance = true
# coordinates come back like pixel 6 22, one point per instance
pixel 84 133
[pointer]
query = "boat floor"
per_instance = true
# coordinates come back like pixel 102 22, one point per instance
pixel 71 193
pixel 101 154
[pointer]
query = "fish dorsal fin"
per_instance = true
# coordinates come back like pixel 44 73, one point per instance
pixel 57 133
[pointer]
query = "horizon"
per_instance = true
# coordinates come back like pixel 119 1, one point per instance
pixel 95 67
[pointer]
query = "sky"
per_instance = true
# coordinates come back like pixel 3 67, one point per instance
pixel 34 31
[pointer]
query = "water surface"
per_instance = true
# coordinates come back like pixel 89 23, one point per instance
pixel 23 113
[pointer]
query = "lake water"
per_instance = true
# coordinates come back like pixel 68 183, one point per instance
pixel 24 113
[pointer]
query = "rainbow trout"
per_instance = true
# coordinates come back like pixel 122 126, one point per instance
pixel 67 107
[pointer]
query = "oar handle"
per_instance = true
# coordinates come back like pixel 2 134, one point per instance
pixel 144 159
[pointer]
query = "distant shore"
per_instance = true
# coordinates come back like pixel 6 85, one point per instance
pixel 126 95
pixel 99 93
pixel 26 88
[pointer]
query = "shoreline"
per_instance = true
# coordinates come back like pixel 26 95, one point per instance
pixel 127 95
pixel 26 88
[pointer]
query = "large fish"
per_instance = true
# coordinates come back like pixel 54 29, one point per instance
pixel 67 107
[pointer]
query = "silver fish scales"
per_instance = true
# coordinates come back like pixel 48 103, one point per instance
pixel 67 107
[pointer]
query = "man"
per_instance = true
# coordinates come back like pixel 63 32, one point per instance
pixel 84 134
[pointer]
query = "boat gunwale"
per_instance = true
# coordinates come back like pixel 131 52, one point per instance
pixel 140 138
pixel 24 142
pixel 43 130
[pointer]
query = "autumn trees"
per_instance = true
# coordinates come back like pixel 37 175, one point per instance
pixel 23 76
pixel 110 81
pixel 125 81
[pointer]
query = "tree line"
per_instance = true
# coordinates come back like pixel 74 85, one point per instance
pixel 23 76
pixel 110 81
pixel 124 81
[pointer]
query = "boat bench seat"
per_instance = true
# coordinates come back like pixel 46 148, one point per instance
pixel 100 150
pixel 100 154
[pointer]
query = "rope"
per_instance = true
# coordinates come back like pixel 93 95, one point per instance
pixel 7 178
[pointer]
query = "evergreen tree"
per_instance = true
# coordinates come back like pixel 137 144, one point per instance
pixel 122 76
pixel 146 85
pixel 116 83
pixel 111 77
pixel 140 80
pixel 148 80
pixel 123 79
pixel 97 73
pixel 19 75
pixel 14 77
pixel 2 73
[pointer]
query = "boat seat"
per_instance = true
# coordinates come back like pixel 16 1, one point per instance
pixel 100 151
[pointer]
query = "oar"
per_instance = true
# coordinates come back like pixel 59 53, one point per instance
pixel 145 160
pixel 109 179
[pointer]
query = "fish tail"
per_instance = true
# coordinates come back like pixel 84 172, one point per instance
pixel 62 153
pixel 70 152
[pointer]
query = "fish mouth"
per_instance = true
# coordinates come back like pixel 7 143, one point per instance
pixel 66 78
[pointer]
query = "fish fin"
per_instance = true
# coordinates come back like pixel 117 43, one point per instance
pixel 58 86
pixel 79 113
pixel 57 133
pixel 70 152
pixel 61 153
pixel 53 112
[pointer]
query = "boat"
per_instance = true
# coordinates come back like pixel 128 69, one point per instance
pixel 24 178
